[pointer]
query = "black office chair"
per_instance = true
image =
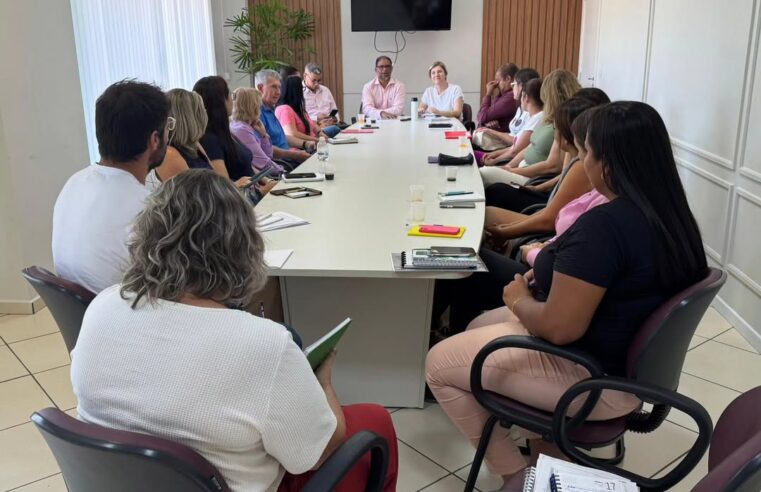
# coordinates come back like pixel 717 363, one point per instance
pixel 654 365
pixel 94 459
pixel 66 300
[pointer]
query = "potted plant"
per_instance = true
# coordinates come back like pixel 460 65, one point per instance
pixel 264 34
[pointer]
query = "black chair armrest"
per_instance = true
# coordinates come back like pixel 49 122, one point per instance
pixel 530 343
pixel 537 180
pixel 345 457
pixel 562 426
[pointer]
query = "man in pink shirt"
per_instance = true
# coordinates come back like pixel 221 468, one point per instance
pixel 318 100
pixel 383 97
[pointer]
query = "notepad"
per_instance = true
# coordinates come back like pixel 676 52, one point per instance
pixel 463 198
pixel 453 135
pixel 321 349
pixel 276 258
pixel 415 231
pixel 340 141
pixel 279 220
pixel 554 475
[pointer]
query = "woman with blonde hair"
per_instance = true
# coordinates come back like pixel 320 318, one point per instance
pixel 163 354
pixel 543 156
pixel 246 126
pixel 184 150
pixel 443 98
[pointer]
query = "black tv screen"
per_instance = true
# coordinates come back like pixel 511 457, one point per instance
pixel 401 15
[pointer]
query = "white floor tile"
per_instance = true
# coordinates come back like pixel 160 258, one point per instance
pixel 725 365
pixel 431 432
pixel 485 480
pixel 696 340
pixel 713 397
pixel 50 484
pixel 30 460
pixel 448 484
pixel 57 384
pixel 42 353
pixel 688 482
pixel 10 367
pixel 712 324
pixel 648 453
pixel 732 337
pixel 19 398
pixel 14 328
pixel 415 470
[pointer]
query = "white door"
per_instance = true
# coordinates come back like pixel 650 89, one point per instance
pixel 590 33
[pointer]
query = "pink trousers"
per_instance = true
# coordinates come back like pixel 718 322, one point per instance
pixel 534 378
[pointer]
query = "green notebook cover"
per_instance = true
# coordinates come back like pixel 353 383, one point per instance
pixel 321 349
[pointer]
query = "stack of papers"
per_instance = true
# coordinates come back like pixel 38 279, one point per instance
pixel 279 220
pixel 552 475
pixel 276 258
pixel 468 197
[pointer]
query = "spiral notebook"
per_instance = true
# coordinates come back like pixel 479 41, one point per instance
pixel 422 260
pixel 554 475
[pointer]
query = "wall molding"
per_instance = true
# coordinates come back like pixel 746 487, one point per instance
pixel 22 307
pixel 703 173
pixel 750 173
pixel 716 159
pixel 738 322
pixel 751 57
pixel 731 267
pixel 744 279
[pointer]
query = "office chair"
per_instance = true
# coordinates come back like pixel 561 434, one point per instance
pixel 654 364
pixel 66 300
pixel 94 458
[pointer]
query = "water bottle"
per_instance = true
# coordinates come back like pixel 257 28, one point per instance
pixel 322 150
pixel 413 108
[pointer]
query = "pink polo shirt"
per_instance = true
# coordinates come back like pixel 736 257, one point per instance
pixel 568 215
pixel 376 98
pixel 319 102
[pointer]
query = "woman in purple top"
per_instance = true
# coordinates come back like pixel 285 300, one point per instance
pixel 246 126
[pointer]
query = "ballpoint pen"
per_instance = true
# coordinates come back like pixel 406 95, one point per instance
pixel 453 193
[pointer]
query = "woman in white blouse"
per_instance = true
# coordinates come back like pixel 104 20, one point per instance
pixel 443 98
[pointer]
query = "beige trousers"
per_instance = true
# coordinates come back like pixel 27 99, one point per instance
pixel 534 378
pixel 495 174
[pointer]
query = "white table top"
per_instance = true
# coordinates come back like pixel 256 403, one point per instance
pixel 362 215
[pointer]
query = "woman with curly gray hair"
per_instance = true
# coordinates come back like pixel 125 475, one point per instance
pixel 162 353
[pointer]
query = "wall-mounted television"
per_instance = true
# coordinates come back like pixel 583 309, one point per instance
pixel 401 15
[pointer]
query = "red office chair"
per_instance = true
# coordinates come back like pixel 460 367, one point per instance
pixel 654 365
pixel 94 459
pixel 66 300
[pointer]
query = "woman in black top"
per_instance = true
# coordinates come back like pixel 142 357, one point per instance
pixel 594 286
pixel 228 156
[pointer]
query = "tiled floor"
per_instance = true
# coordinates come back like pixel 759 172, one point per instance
pixel 34 373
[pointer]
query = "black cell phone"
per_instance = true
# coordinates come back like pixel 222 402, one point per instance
pixel 333 113
pixel 283 191
pixel 457 205
pixel 452 251
pixel 439 125
pixel 405 118
pixel 300 175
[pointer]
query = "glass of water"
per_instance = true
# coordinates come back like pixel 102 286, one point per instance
pixel 323 150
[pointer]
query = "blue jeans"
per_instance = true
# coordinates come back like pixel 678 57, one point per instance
pixel 331 131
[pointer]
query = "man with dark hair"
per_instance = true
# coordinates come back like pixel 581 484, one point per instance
pixel 498 105
pixel 383 97
pixel 93 215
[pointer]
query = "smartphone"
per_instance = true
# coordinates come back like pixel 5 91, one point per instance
pixel 303 192
pixel 405 118
pixel 439 229
pixel 457 205
pixel 300 175
pixel 283 191
pixel 451 251
pixel 333 113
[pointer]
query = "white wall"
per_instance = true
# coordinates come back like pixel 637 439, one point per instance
pixel 221 10
pixel 459 49
pixel 697 62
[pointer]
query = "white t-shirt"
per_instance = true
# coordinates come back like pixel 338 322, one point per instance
pixel 92 220
pixel 518 121
pixel 532 122
pixel 233 386
pixel 444 101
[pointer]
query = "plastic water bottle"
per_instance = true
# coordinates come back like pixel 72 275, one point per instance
pixel 413 108
pixel 323 150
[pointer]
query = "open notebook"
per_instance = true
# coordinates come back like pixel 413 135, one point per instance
pixel 554 475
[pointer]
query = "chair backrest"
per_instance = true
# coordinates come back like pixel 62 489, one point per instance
pixel 94 458
pixel 467 113
pixel 66 300
pixel 734 460
pixel 657 353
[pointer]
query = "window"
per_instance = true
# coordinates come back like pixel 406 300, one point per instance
pixel 166 42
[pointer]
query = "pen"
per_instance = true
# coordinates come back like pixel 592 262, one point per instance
pixel 453 193
pixel 261 309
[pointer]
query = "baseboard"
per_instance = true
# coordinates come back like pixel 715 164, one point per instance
pixel 22 307
pixel 742 326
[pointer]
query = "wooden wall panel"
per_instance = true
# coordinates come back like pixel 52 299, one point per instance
pixel 543 34
pixel 326 42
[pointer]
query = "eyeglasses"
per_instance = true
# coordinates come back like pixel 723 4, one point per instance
pixel 170 123
pixel 383 67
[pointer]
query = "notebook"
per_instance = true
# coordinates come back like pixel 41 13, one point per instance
pixel 321 349
pixel 463 198
pixel 415 231
pixel 278 220
pixel 453 135
pixel 339 141
pixel 554 475
pixel 421 260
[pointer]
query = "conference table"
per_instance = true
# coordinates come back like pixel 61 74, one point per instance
pixel 341 263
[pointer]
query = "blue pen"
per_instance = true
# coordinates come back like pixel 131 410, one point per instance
pixel 453 193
